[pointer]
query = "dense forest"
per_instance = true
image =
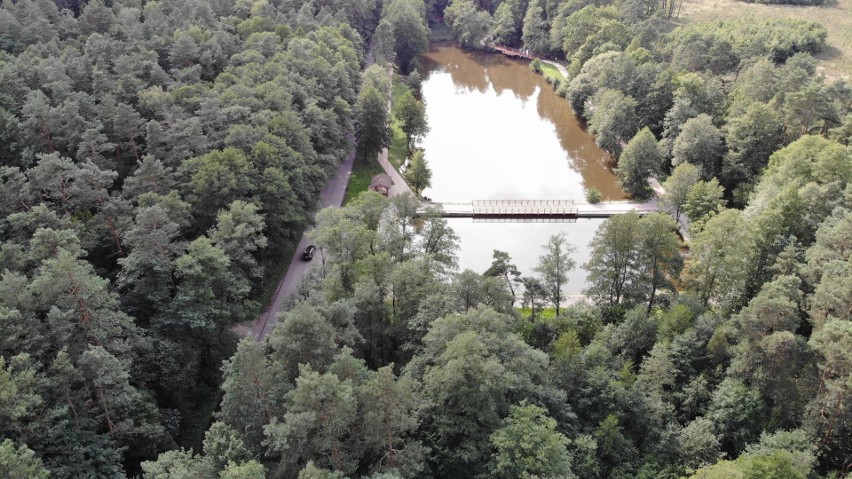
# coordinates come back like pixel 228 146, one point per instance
pixel 159 160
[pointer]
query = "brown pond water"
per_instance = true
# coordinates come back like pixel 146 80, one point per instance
pixel 499 131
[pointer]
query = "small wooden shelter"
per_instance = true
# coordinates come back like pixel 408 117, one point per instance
pixel 381 183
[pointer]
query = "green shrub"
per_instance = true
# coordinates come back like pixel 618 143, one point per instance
pixel 535 66
pixel 593 195
pixel 414 81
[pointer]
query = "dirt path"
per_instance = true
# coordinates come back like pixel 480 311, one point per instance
pixel 682 220
pixel 559 67
pixel 399 184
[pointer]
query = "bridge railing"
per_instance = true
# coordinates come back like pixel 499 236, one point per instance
pixel 525 219
pixel 520 208
pixel 557 209
pixel 522 203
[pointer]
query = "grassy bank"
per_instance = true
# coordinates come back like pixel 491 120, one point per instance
pixel 550 71
pixel 363 172
pixel 398 152
pixel 836 15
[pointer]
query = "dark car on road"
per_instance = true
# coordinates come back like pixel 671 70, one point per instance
pixel 309 253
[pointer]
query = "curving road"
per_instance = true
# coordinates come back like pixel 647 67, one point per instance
pixel 332 195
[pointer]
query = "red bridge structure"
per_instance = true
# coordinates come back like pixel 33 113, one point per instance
pixel 515 53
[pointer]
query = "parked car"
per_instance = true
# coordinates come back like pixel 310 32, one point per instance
pixel 309 253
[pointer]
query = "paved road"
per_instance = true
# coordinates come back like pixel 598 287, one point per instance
pixel 332 195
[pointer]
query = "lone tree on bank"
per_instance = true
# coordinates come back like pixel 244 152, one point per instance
pixel 373 132
pixel 418 175
pixel 554 266
pixel 412 116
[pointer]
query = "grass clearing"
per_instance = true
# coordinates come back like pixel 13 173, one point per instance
pixel 835 61
pixel 362 174
pixel 550 71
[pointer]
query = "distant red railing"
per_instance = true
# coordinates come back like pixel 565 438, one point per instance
pixel 514 52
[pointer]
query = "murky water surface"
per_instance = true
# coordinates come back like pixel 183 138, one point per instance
pixel 499 131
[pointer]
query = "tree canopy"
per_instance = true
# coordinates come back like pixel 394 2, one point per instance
pixel 159 162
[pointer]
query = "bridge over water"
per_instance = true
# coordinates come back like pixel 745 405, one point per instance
pixel 539 210
pixel 515 53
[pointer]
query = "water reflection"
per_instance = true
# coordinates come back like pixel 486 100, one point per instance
pixel 498 131
pixel 525 243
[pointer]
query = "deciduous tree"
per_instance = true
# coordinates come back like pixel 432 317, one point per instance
pixel 470 24
pixel 554 266
pixel 372 115
pixel 704 199
pixel 528 444
pixel 613 259
pixel 640 160
pixel 411 114
pixel 613 121
pixel 751 139
pixel 719 261
pixel 321 411
pixel 659 258
pixel 678 186
pixel 700 143
pixel 418 174
pixel 411 35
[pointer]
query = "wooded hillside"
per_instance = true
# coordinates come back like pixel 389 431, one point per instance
pixel 160 159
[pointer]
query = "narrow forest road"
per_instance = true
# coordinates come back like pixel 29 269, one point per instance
pixel 332 195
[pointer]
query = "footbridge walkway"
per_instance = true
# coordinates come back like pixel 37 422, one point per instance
pixel 538 210
pixel 515 53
